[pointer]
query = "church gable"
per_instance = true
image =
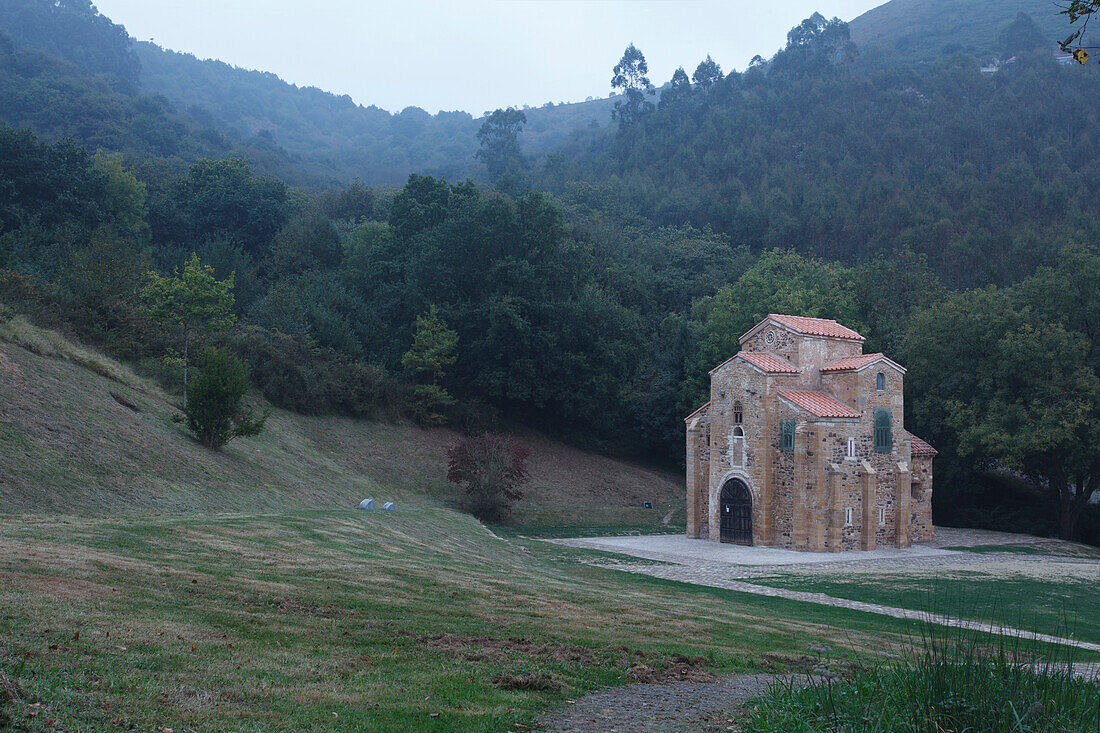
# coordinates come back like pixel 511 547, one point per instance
pixel 802 326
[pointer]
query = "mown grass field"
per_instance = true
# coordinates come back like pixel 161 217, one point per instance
pixel 343 620
pixel 149 584
pixel 1030 592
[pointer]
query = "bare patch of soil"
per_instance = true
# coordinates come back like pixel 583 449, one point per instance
pixel 681 669
pixel 638 666
pixel 491 648
pixel 9 369
pixel 536 681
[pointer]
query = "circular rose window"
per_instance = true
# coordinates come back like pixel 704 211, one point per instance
pixel 769 338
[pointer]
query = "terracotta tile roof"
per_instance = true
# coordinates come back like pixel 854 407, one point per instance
pixel 762 360
pixel 818 403
pixel 920 447
pixel 698 410
pixel 852 363
pixel 808 326
pixel 768 362
pixel 816 326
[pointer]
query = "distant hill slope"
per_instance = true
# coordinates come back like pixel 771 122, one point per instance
pixel 923 30
pixel 68 443
pixel 351 140
pixel 70 71
pixel 339 135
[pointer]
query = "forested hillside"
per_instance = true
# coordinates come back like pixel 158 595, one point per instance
pixel 927 30
pixel 589 293
pixel 336 134
pixel 69 73
pixel 853 157
pixel 66 71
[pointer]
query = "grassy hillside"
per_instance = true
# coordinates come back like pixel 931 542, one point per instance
pixel 924 30
pixel 341 620
pixel 70 443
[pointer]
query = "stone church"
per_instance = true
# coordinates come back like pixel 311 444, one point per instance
pixel 803 445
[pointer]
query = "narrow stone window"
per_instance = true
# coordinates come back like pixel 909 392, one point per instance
pixel 880 381
pixel 881 516
pixel 848 517
pixel 737 412
pixel 851 452
pixel 737 447
pixel 786 434
pixel 884 431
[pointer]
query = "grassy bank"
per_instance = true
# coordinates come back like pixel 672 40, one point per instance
pixel 415 620
pixel 83 434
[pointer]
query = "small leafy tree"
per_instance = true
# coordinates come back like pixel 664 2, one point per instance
pixel 491 468
pixel 433 350
pixel 125 197
pixel 192 301
pixel 216 413
pixel 630 77
pixel 707 74
pixel 499 140
pixel 679 89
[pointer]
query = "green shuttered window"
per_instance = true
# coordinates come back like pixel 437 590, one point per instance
pixel 884 432
pixel 786 435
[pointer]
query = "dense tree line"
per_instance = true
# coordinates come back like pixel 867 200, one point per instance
pixel 846 156
pixel 821 182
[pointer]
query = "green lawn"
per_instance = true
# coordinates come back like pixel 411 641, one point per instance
pixel 1064 604
pixel 1052 549
pixel 341 620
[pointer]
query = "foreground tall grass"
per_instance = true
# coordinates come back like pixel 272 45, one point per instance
pixel 952 682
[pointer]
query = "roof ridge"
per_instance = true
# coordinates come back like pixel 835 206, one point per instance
pixel 807 326
pixel 859 361
pixel 804 318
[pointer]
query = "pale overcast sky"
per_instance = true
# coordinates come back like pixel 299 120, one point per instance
pixel 475 55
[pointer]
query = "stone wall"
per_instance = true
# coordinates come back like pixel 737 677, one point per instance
pixel 921 489
pixel 698 474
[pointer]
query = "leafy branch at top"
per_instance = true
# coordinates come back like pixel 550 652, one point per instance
pixel 1079 10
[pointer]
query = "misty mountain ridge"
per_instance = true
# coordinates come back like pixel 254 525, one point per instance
pixel 314 137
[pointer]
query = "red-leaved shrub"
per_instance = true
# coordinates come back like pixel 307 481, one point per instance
pixel 491 468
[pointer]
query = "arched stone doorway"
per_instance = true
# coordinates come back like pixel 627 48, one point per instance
pixel 735 506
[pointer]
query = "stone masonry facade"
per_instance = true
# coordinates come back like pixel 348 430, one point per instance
pixel 802 445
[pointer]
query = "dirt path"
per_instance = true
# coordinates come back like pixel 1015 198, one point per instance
pixel 659 708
